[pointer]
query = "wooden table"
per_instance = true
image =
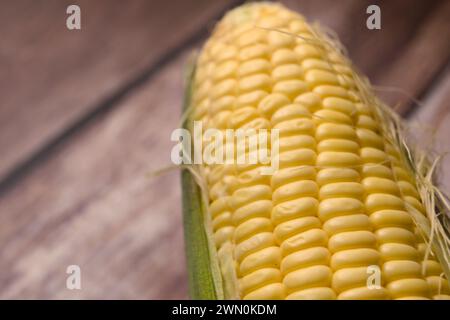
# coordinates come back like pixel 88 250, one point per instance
pixel 86 115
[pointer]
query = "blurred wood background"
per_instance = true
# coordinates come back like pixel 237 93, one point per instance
pixel 86 115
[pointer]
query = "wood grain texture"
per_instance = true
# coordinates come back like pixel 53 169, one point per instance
pixel 422 59
pixel 92 203
pixel 431 122
pixel 52 76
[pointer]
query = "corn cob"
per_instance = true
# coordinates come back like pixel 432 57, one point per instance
pixel 339 202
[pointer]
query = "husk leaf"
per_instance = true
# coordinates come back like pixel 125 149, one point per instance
pixel 204 275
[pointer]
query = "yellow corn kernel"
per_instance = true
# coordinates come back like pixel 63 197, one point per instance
pixel 339 201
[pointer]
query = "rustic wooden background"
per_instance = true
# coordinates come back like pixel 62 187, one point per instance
pixel 86 115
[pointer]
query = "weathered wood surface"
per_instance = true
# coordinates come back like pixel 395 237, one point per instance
pixel 431 122
pixel 52 77
pixel 93 204
pixel 90 200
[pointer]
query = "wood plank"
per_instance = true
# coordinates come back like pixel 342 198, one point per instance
pixel 431 124
pixel 52 76
pixel 92 204
pixel 421 61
